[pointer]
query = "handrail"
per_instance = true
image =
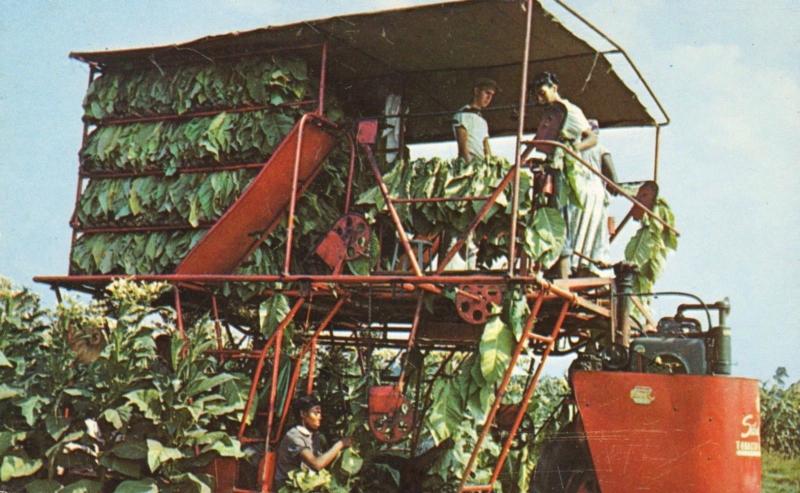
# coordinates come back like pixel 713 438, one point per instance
pixel 607 181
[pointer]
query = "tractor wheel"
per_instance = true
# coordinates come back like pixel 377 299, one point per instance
pixel 565 465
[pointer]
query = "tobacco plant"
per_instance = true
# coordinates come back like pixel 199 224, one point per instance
pixel 109 396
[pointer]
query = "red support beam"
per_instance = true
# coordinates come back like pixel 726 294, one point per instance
pixel 500 392
pixel 260 366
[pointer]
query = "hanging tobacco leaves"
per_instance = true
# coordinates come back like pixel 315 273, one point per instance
pixel 542 232
pixel 254 81
pixel 648 248
pixel 226 138
pixel 188 198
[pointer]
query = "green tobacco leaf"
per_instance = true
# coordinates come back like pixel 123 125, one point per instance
pixel 226 447
pixel 516 311
pixel 147 401
pixel 7 392
pixel 117 417
pixel 56 426
pixel 30 408
pixel 158 454
pixel 4 361
pixel 641 246
pixel 190 482
pixel 18 467
pixel 497 343
pixel 133 449
pixel 271 312
pixel 545 238
pixel 447 411
pixel 42 486
pixel 351 462
pixel 204 384
pixel 141 486
pixel 83 486
pixel 130 468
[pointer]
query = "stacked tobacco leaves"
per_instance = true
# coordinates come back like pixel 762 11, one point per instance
pixel 162 195
pixel 541 233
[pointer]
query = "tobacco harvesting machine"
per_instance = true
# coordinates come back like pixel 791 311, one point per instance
pixel 265 176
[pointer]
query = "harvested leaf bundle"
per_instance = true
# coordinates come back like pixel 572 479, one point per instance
pixel 251 82
pixel 459 178
pixel 648 248
pixel 193 198
pixel 188 198
pixel 200 142
pixel 171 145
pixel 131 253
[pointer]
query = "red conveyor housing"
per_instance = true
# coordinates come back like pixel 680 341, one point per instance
pixel 686 433
pixel 263 203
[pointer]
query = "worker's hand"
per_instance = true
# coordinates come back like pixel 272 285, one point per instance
pixel 346 441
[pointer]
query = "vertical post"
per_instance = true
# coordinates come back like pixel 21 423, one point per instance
pixel 293 197
pixel 323 73
pixel 523 93
pixel 179 312
pixel 312 367
pixel 624 288
pixel 656 152
pixel 350 175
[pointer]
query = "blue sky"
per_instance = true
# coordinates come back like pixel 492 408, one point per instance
pixel 726 71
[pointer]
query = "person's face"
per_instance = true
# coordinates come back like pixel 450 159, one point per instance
pixel 312 419
pixel 546 94
pixel 483 97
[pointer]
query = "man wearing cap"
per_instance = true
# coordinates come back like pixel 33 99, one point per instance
pixel 301 445
pixel 470 128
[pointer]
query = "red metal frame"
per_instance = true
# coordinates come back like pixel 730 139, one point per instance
pixel 346 286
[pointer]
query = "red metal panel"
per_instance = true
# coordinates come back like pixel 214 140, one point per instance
pixel 682 433
pixel 260 207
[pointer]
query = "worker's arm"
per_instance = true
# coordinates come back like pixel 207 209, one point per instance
pixel 461 138
pixel 325 459
pixel 607 168
pixel 487 150
pixel 587 141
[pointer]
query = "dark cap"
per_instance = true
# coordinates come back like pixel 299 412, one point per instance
pixel 304 403
pixel 485 82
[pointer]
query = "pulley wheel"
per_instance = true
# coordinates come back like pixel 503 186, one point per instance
pixel 473 302
pixel 391 415
pixel 355 234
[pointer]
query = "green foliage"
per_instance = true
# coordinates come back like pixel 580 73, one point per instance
pixel 199 142
pixel 122 407
pixel 780 415
pixel 544 231
pixel 190 198
pixel 253 81
pixel 183 199
pixel 648 248
pixel 779 474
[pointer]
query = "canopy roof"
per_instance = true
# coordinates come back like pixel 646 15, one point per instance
pixel 436 52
